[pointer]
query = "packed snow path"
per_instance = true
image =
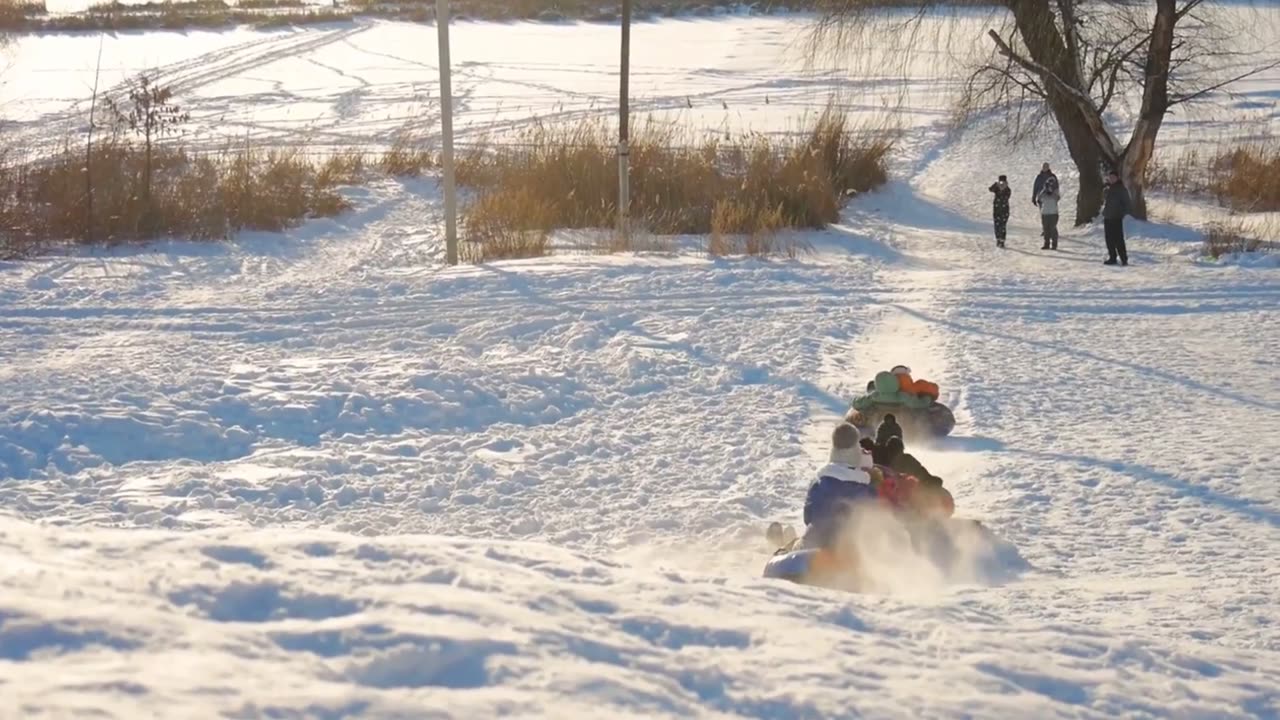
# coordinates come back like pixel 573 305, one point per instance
pixel 319 475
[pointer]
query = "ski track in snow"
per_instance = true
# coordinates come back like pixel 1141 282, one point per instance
pixel 320 475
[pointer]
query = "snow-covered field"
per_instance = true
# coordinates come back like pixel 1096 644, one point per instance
pixel 321 475
pixel 359 83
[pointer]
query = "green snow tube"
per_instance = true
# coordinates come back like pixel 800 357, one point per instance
pixel 919 415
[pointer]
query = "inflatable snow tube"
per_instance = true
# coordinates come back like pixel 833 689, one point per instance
pixel 804 565
pixel 807 566
pixel 935 420
pixel 793 566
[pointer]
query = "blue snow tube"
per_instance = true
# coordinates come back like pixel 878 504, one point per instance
pixel 793 566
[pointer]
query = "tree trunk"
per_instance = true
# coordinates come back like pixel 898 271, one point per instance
pixel 1053 49
pixel 1088 138
pixel 1085 155
pixel 1155 103
pixel 1089 197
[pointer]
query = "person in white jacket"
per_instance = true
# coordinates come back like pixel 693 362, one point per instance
pixel 1047 199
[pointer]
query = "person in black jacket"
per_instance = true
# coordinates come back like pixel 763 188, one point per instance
pixel 1115 205
pixel 1000 207
pixel 888 428
pixel 1038 185
pixel 907 464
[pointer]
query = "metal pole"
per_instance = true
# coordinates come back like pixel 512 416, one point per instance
pixel 446 122
pixel 624 150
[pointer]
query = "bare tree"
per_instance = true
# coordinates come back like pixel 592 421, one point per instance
pixel 150 114
pixel 1078 61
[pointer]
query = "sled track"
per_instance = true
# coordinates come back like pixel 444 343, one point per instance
pixel 193 73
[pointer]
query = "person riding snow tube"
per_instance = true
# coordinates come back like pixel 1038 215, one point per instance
pixel 841 483
pixel 918 412
pixel 831 500
pixel 907 493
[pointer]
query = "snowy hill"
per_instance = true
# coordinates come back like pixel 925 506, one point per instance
pixel 319 475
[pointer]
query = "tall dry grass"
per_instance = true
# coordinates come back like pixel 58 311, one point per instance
pixel 98 197
pixel 1242 176
pixel 738 190
pixel 1234 236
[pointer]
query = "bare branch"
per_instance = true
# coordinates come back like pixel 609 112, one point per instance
pixel 1118 64
pixel 1089 111
pixel 1191 97
pixel 1187 9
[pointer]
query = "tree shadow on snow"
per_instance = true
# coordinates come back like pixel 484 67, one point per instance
pixel 1245 507
pixel 1065 349
pixel 898 204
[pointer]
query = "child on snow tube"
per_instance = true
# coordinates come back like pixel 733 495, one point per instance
pixel 911 485
pixel 914 387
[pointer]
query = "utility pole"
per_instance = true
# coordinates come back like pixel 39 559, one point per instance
pixel 624 149
pixel 446 122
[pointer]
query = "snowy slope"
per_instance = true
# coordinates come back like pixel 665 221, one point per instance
pixel 320 475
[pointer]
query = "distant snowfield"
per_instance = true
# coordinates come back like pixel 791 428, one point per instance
pixel 359 83
pixel 321 475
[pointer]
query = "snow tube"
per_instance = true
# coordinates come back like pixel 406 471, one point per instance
pixel 906 493
pixel 913 402
pixel 932 540
pixel 916 506
pixel 934 420
pixel 908 385
pixel 808 566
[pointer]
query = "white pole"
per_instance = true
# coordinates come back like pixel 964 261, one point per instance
pixel 446 121
pixel 624 149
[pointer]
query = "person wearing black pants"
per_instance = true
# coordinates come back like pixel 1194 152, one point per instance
pixel 1115 205
pixel 1000 207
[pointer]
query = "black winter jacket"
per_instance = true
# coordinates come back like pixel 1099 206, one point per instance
pixel 1115 202
pixel 1000 203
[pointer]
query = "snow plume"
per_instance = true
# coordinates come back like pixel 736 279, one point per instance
pixel 895 560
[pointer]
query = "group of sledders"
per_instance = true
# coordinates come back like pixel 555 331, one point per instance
pixel 915 402
pixel 865 478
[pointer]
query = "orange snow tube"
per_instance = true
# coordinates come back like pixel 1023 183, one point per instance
pixel 924 387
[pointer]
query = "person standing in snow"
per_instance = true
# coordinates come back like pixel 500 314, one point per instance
pixel 842 483
pixel 1115 205
pixel 1000 207
pixel 1038 185
pixel 1048 202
